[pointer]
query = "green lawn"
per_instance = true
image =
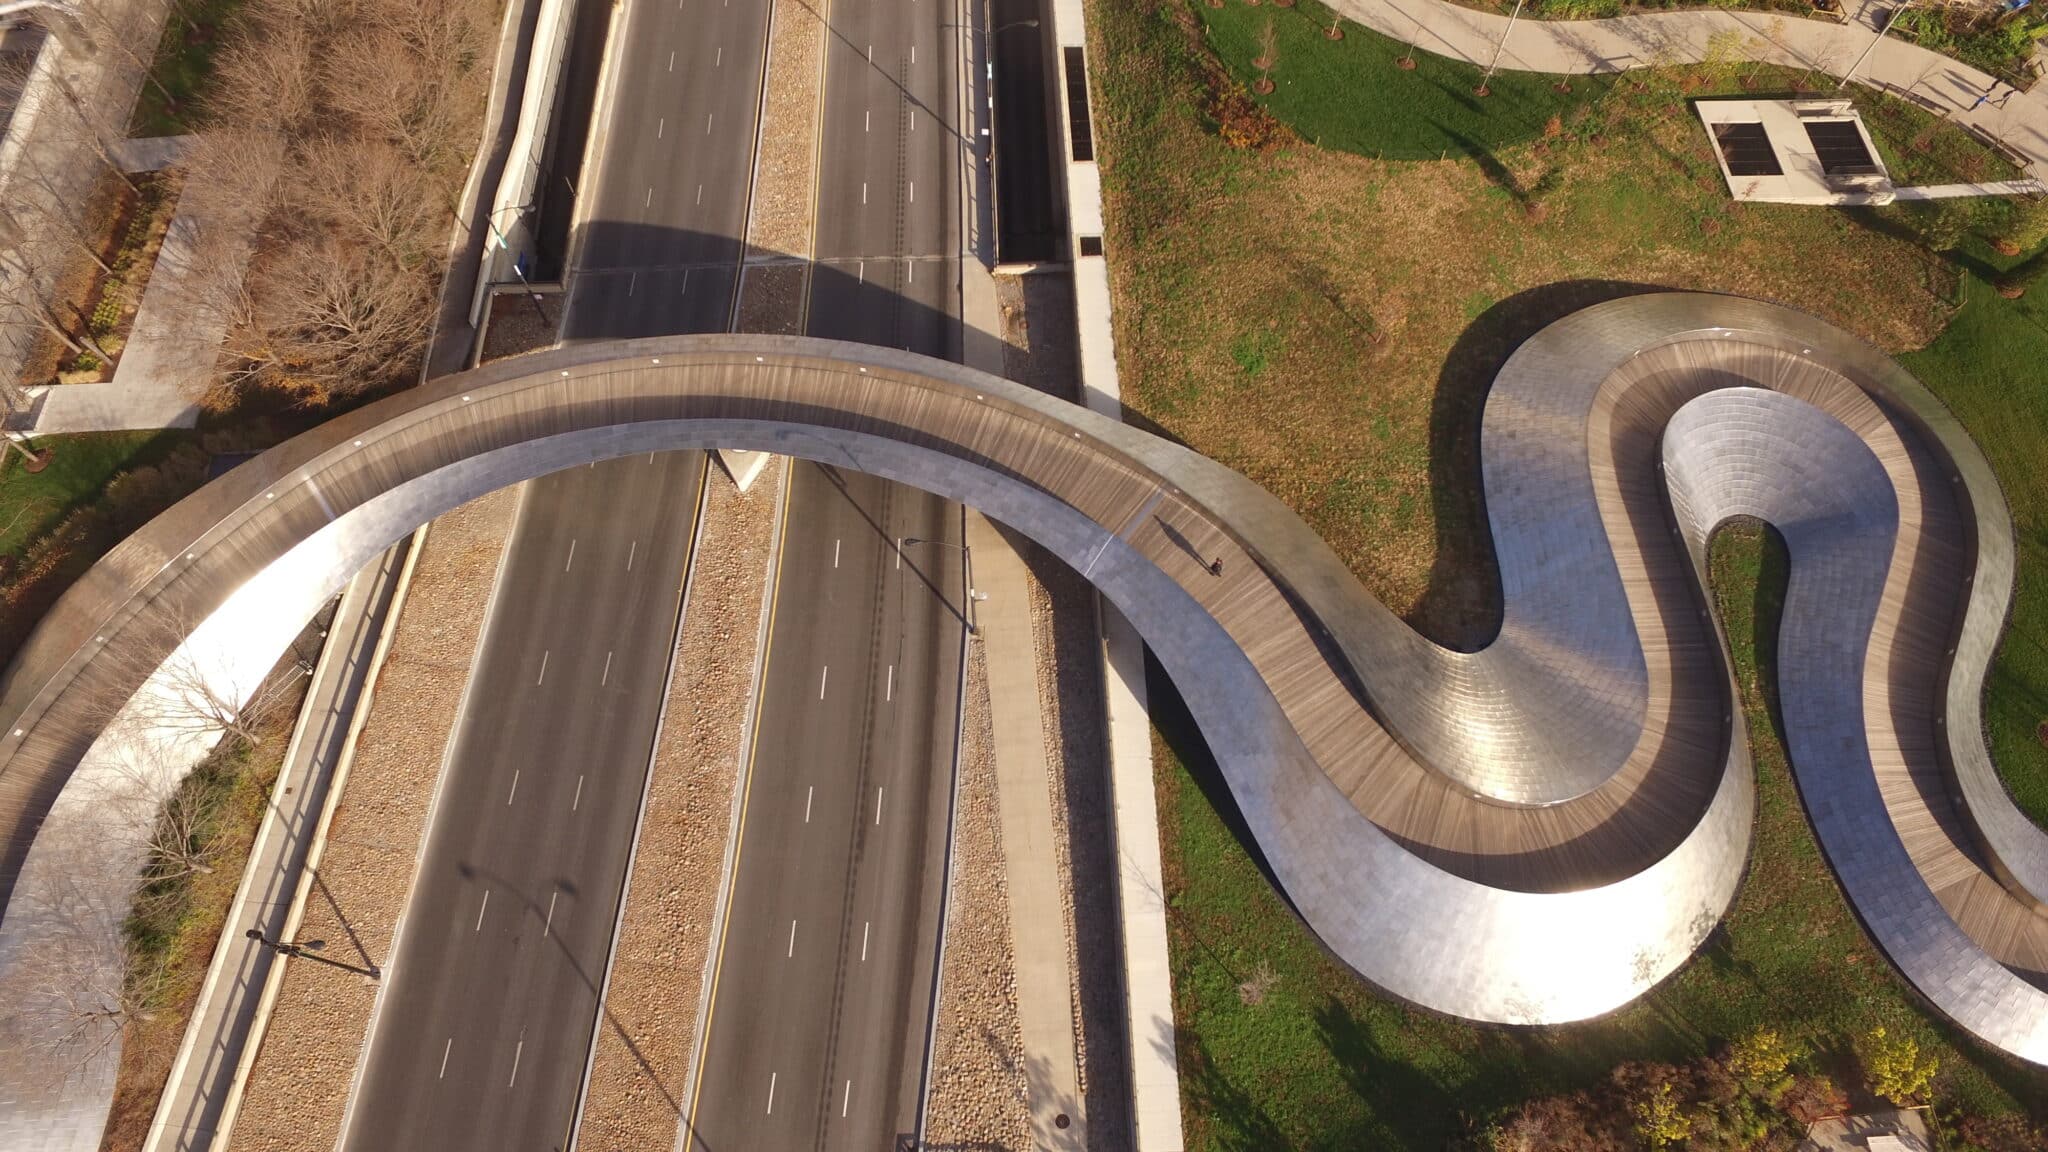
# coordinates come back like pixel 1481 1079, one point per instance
pixel 1327 320
pixel 170 98
pixel 32 503
pixel 1351 94
pixel 1991 368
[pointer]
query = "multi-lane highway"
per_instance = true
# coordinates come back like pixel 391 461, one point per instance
pixel 821 1003
pixel 493 988
pixel 673 168
pixel 492 998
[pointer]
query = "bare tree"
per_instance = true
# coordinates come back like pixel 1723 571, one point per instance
pixel 375 198
pixel 393 76
pixel 365 110
pixel 326 320
pixel 185 700
pixel 28 299
pixel 89 125
pixel 264 79
pixel 69 987
pixel 182 841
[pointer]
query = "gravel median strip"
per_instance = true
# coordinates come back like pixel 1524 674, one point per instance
pixel 781 218
pixel 300 1082
pixel 977 1096
pixel 641 1069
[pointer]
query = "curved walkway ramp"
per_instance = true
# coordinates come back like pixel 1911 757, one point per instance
pixel 1537 832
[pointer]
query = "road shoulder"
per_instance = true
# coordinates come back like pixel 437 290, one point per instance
pixel 299 1085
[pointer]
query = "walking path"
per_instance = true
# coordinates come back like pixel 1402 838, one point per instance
pixel 168 362
pixel 2018 119
pixel 175 342
pixel 75 94
pixel 152 153
pixel 1038 938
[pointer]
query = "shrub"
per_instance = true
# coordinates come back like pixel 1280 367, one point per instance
pixel 1659 1117
pixel 1813 1098
pixel 2005 1134
pixel 107 313
pixel 2027 226
pixel 134 496
pixel 1894 1066
pixel 1578 1122
pixel 1760 1063
pixel 1943 225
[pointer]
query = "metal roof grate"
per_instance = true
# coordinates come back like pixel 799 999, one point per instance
pixel 1841 149
pixel 1747 150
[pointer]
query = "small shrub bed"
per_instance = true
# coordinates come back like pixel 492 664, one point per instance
pixel 1996 42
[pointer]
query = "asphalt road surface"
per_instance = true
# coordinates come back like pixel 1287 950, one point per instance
pixel 822 996
pixel 479 1042
pixel 674 164
pixel 491 1001
pixel 821 1006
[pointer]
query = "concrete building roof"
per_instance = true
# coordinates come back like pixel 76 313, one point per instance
pixel 1795 151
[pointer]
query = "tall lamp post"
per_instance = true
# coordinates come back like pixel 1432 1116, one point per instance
pixel 966 576
pixel 307 951
pixel 1889 20
pixel 506 245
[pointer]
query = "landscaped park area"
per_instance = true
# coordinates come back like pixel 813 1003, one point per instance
pixel 1316 285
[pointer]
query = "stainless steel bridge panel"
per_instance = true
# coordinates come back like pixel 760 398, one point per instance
pixel 1282 656
pixel 1750 452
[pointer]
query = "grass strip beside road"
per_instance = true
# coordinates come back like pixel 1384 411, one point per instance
pixel 179 916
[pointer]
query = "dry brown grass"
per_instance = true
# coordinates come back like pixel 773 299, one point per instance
pixel 149 1044
pixel 1328 323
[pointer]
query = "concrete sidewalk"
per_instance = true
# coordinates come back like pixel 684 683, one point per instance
pixel 189 1111
pixel 1038 931
pixel 2017 119
pixel 175 342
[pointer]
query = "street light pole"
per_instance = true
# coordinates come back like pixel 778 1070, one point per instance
pixel 307 951
pixel 966 576
pixel 506 245
pixel 1889 20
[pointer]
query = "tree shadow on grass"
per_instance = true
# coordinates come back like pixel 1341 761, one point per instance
pixel 1461 607
pixel 1235 1117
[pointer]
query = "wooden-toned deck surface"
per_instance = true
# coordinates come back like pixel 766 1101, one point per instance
pixel 1634 818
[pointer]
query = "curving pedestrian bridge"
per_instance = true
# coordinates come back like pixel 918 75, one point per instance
pixel 1535 832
